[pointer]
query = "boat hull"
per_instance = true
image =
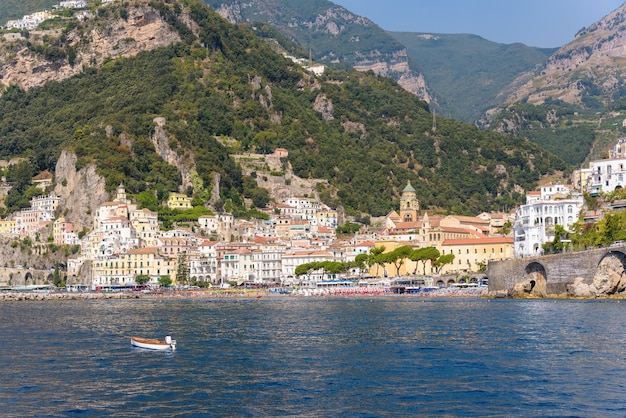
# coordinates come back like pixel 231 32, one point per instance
pixel 151 344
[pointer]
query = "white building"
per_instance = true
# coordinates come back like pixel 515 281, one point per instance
pixel 604 176
pixel 292 259
pixel 536 220
pixel 203 263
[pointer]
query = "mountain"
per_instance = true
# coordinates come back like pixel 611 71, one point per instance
pixel 587 72
pixel 160 96
pixel 575 103
pixel 468 73
pixel 332 34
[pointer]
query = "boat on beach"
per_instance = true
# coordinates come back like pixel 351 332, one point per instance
pixel 152 344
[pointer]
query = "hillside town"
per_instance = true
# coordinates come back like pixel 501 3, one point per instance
pixel 33 20
pixel 126 241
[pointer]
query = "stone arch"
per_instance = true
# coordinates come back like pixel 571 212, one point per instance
pixel 535 280
pixel 50 278
pixel 451 282
pixel 28 276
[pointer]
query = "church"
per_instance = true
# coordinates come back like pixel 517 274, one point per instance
pixel 469 238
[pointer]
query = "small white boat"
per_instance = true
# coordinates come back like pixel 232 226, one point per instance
pixel 152 344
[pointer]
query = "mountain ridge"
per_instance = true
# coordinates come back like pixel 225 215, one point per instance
pixel 220 91
pixel 326 29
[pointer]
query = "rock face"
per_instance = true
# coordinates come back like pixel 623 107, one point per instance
pixel 184 163
pixel 609 280
pixel 333 34
pixel 81 191
pixel 95 40
pixel 596 55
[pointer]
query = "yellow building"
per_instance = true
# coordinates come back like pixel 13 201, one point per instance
pixel 178 201
pixel 7 226
pixel 470 254
pixel 126 267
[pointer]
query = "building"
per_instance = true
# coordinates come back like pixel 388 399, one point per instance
pixel 536 220
pixel 606 175
pixel 178 201
pixel 474 254
pixel 63 232
pixel 126 267
pixel 409 205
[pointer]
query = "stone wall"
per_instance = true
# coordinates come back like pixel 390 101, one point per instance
pixel 559 270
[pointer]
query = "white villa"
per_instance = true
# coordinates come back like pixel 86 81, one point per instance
pixel 535 221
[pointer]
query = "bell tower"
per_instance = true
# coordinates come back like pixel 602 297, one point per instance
pixel 409 205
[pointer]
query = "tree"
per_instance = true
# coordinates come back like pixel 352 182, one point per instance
pixel 182 272
pixel 442 261
pixel 556 245
pixel 142 279
pixel 362 261
pixel 165 281
pixel 423 255
pixel 397 257
pixel 375 257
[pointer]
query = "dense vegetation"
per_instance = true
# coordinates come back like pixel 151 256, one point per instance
pixel 15 9
pixel 356 39
pixel 469 73
pixel 226 86
pixel 566 130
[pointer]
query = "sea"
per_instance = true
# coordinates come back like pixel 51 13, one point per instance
pixel 291 356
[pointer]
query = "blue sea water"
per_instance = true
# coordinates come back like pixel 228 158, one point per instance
pixel 309 357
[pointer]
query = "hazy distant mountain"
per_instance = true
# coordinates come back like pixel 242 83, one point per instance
pixel 575 103
pixel 469 73
pixel 590 71
pixel 332 34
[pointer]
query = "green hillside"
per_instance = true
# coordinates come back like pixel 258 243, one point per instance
pixel 374 137
pixel 467 72
pixel 15 9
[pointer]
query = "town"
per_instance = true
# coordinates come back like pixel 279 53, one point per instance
pixel 127 242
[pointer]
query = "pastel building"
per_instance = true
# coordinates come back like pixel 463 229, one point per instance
pixel 536 220
pixel 178 201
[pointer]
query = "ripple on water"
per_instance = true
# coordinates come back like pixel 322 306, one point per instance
pixel 314 357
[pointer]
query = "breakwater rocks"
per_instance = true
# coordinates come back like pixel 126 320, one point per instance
pixel 36 296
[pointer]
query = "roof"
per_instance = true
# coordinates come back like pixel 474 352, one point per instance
pixel 408 187
pixel 408 225
pixel 145 250
pixel 44 175
pixel 479 241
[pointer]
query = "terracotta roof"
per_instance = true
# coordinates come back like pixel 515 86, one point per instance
pixel 479 241
pixel 366 244
pixel 408 225
pixel 471 219
pixel 44 175
pixel 145 250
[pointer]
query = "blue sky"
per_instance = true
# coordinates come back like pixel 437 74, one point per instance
pixel 540 23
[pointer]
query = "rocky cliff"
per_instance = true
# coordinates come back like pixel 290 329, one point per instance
pixel 29 60
pixel 592 66
pixel 81 191
pixel 332 34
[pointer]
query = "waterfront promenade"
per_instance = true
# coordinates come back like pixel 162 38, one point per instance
pixel 241 293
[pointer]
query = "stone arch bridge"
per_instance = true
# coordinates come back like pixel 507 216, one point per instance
pixel 552 274
pixel 10 276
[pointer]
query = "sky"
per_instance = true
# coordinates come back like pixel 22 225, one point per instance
pixel 538 23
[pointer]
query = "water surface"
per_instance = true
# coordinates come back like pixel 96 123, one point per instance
pixel 313 357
